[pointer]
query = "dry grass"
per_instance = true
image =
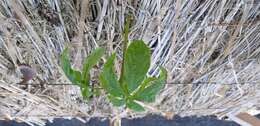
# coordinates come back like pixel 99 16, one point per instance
pixel 196 40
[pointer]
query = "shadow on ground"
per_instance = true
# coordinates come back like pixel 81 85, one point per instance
pixel 151 120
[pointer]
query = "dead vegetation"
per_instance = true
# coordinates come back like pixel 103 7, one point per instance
pixel 213 41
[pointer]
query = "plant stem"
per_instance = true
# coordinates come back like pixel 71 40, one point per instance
pixel 125 43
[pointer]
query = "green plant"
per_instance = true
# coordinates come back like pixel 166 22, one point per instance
pixel 133 84
pixel 81 78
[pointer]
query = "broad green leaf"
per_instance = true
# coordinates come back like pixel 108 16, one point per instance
pixel 91 60
pixel 73 75
pixel 136 64
pixel 108 78
pixel 116 101
pixel 149 93
pixel 134 106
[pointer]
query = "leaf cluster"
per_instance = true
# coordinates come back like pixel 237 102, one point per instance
pixel 132 85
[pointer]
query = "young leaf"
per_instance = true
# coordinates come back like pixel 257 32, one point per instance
pixel 149 93
pixel 108 78
pixel 73 75
pixel 136 64
pixel 134 106
pixel 91 60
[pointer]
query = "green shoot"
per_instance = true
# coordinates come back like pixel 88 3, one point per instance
pixel 81 78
